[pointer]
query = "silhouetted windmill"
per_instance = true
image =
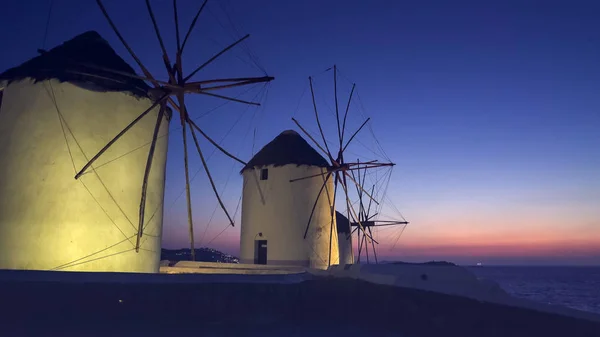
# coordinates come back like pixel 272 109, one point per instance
pixel 367 220
pixel 172 93
pixel 340 170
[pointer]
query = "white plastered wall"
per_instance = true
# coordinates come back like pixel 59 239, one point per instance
pixel 49 220
pixel 280 209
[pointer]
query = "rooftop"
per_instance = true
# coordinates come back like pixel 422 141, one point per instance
pixel 80 61
pixel 287 148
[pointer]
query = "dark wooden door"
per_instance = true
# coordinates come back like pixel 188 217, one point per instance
pixel 261 252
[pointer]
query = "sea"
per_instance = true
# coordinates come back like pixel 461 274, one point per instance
pixel 573 287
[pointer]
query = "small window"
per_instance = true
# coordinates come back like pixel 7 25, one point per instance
pixel 264 174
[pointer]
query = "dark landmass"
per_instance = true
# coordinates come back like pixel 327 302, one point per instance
pixel 202 254
pixel 430 263
pixel 315 307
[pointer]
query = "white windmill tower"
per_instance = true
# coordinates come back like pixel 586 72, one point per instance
pixel 75 192
pixel 289 198
pixel 275 211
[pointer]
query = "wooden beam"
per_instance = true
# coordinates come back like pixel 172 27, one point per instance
pixel 166 60
pixel 364 223
pixel 142 212
pixel 210 60
pixel 114 28
pixel 239 84
pixel 309 136
pixel 361 188
pixel 198 84
pixel 315 204
pixel 373 244
pixel 187 35
pixel 157 32
pixel 187 186
pixel 112 141
pixel 347 108
pixel 370 167
pixel 125 74
pixel 194 125
pixel 228 98
pixel 312 92
pixel 337 110
pixel 212 183
pixel 176 26
pixel 370 201
pixel 355 133
pixel 372 216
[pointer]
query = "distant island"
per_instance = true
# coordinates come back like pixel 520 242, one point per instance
pixel 429 263
pixel 202 254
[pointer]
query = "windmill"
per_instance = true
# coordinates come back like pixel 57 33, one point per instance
pixel 339 169
pixel 172 95
pixel 367 219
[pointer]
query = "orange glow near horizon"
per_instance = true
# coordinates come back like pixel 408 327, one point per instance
pixel 484 232
pixel 487 231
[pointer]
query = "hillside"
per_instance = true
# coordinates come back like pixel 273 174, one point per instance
pixel 202 254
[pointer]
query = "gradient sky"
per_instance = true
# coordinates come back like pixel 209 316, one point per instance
pixel 491 109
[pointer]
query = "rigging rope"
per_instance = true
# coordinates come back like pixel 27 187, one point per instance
pixel 67 265
pixel 99 258
pixel 243 45
pixel 47 24
pixel 61 120
pixel 241 194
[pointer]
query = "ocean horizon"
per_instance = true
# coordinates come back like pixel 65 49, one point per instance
pixel 576 287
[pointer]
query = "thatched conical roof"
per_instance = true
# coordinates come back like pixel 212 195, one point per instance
pixel 84 53
pixel 287 148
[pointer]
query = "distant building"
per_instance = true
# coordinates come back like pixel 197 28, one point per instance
pixel 57 111
pixel 275 211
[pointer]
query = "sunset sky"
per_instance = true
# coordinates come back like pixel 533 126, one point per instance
pixel 491 109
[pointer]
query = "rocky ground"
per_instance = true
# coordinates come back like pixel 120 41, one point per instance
pixel 317 307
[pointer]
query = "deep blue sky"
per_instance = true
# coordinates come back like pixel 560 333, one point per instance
pixel 490 108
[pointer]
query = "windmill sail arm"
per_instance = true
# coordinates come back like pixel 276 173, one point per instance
pixel 112 141
pixel 355 133
pixel 125 44
pixel 361 188
pixel 214 57
pixel 198 84
pixel 187 35
pixel 190 87
pixel 212 183
pixel 142 214
pixel 233 99
pixel 157 31
pixel 312 92
pixel 312 212
pixel 215 144
pixel 310 137
pixel 346 113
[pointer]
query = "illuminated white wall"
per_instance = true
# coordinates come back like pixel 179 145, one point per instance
pixel 279 209
pixel 47 218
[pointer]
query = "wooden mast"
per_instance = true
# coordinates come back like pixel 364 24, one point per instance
pixel 175 88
